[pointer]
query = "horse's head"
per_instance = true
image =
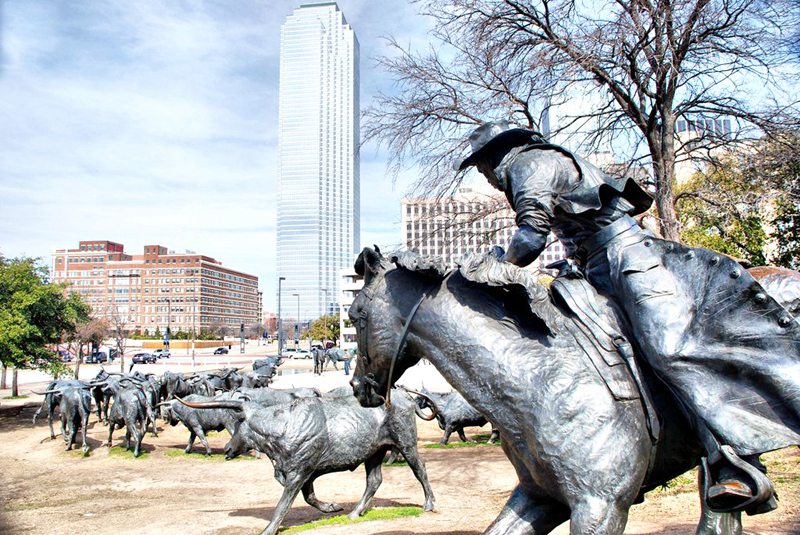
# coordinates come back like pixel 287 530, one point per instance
pixel 382 312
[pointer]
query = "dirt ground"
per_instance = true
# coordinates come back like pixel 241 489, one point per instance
pixel 47 490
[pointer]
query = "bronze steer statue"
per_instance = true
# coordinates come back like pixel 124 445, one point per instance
pixel 453 413
pixel 75 404
pixel 311 437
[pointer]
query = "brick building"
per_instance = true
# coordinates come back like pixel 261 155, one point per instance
pixel 159 288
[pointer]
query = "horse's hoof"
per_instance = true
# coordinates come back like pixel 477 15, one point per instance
pixel 428 507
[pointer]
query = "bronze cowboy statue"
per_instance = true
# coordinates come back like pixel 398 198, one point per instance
pixel 697 319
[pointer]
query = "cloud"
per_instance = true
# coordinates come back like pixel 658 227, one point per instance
pixel 155 122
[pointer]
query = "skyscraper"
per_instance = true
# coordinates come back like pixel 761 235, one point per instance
pixel 318 143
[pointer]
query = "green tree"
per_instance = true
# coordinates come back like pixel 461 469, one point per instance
pixel 34 315
pixel 748 205
pixel 324 328
pixel 722 210
pixel 777 163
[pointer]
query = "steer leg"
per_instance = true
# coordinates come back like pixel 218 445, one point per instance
pixel 311 498
pixel 110 432
pixel 495 436
pixel 462 435
pixel 418 467
pixel 292 485
pixel 106 403
pixel 64 427
pixel 50 412
pixel 446 437
pixel 72 427
pixel 133 429
pixel 189 446
pixel 151 418
pixel 202 437
pixel 374 480
pixel 84 426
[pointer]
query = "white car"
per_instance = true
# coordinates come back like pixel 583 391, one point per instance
pixel 300 354
pixel 161 353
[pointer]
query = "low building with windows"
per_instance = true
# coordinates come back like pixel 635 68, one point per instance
pixel 158 289
pixel 469 222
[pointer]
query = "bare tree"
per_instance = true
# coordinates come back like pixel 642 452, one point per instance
pixel 119 322
pixel 90 332
pixel 646 64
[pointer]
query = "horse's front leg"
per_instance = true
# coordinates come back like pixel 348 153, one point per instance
pixel 598 515
pixel 523 515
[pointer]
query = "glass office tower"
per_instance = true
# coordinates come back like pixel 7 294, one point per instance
pixel 318 143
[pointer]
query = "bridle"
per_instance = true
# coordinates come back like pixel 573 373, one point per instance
pixel 363 339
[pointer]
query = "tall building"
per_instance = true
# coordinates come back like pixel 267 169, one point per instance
pixel 469 222
pixel 318 143
pixel 159 288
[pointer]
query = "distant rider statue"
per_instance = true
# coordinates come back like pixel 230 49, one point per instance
pixel 726 350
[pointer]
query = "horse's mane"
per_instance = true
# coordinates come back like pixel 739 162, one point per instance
pixel 429 266
pixel 487 271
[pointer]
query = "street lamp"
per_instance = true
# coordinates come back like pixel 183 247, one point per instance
pixel 325 314
pixel 297 322
pixel 280 323
pixel 169 318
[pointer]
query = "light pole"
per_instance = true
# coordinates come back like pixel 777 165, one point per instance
pixel 297 323
pixel 325 315
pixel 169 319
pixel 280 323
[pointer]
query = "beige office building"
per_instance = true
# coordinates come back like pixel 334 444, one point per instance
pixel 159 288
pixel 469 222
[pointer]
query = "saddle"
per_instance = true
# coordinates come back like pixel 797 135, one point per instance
pixel 572 307
pixel 602 341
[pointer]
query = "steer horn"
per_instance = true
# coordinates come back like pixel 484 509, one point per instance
pixel 233 404
pixel 101 383
pixel 55 391
pixel 418 411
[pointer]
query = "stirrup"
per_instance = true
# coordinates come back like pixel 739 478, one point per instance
pixel 761 486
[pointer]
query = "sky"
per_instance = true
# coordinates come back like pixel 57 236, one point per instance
pixel 155 122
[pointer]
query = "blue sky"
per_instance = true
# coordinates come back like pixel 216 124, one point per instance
pixel 155 122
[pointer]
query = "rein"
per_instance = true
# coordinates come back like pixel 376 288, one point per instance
pixel 404 334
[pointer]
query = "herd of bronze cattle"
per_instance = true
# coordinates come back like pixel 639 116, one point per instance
pixel 304 432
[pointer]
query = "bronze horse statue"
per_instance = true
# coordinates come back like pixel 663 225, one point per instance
pixel 580 454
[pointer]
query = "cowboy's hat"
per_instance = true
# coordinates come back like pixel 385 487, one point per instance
pixel 492 137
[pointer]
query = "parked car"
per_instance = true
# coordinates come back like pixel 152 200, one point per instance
pixel 98 357
pixel 65 356
pixel 221 351
pixel 143 358
pixel 301 354
pixel 161 353
pixel 288 352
